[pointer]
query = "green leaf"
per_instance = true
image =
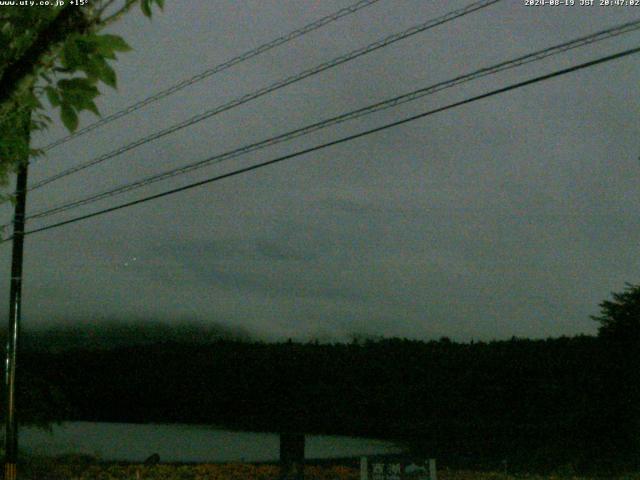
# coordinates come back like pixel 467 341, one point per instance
pixel 77 91
pixel 69 117
pixel 94 68
pixel 36 153
pixel 7 28
pixel 72 56
pixel 106 53
pixel 52 95
pixel 77 83
pixel 99 69
pixel 78 94
pixel 32 101
pixel 112 43
pixel 145 6
pixel 92 107
pixel 88 44
pixel 160 4
pixel 37 125
pixel 42 118
pixel 108 76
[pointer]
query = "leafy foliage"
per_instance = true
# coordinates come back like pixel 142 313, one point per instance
pixel 145 5
pixel 620 318
pixel 57 53
pixel 620 332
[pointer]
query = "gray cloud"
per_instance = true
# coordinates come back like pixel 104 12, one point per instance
pixel 515 215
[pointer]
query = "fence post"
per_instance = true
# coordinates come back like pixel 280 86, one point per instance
pixel 364 468
pixel 432 469
pixel 292 456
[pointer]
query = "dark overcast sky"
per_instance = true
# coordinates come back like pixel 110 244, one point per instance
pixel 515 215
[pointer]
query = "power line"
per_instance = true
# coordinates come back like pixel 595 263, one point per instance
pixel 273 87
pixel 393 102
pixel 214 70
pixel 340 140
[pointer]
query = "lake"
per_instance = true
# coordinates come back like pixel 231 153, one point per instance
pixel 184 443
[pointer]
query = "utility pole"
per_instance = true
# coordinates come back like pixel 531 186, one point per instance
pixel 15 307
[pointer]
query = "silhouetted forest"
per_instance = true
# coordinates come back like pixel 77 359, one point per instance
pixel 545 402
pixel 533 403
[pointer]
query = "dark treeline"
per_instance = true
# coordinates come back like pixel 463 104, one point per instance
pixel 110 333
pixel 533 403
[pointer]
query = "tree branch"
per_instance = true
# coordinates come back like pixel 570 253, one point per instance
pixel 105 6
pixel 116 15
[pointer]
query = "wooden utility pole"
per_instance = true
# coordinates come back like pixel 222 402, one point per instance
pixel 15 307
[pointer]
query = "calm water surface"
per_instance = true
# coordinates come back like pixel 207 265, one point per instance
pixel 184 443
